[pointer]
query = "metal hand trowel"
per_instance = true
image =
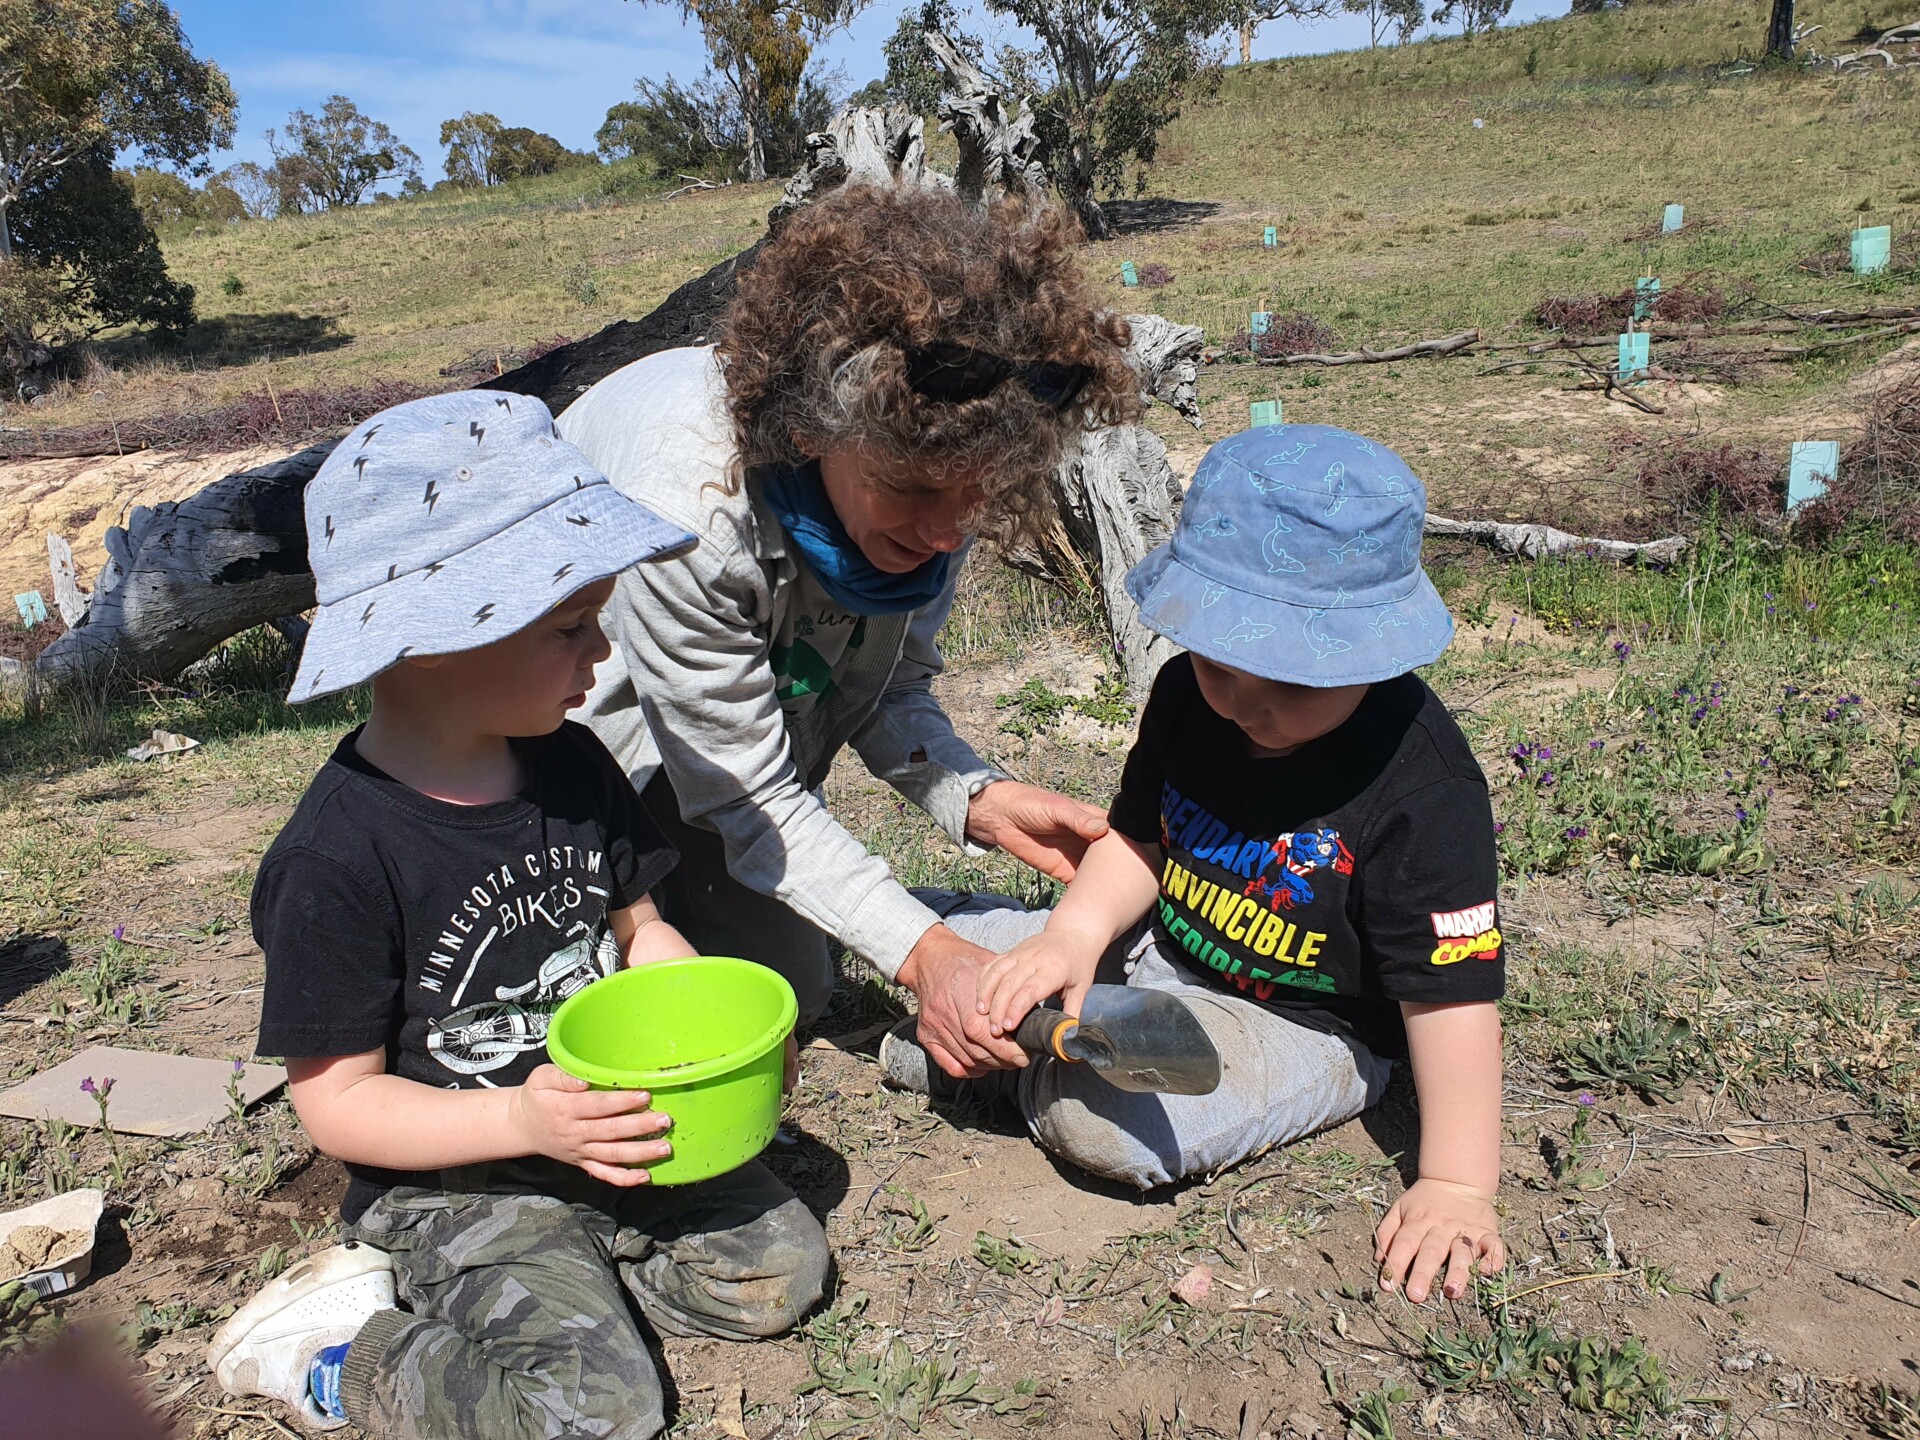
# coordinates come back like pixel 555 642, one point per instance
pixel 1141 1040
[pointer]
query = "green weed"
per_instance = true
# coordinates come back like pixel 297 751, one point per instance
pixel 888 1389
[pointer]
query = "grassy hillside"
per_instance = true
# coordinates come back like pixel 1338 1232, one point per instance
pixel 1398 217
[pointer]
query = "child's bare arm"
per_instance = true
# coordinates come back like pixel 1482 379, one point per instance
pixel 1446 1219
pixel 355 1111
pixel 644 936
pixel 1115 886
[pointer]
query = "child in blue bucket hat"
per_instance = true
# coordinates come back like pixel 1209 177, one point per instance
pixel 1302 848
pixel 465 861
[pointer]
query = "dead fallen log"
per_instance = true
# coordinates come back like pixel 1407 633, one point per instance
pixel 1538 542
pixel 185 576
pixel 1444 345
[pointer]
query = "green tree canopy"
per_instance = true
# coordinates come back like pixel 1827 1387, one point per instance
pixel 76 75
pixel 914 78
pixel 759 49
pixel 335 157
pixel 85 260
pixel 1108 77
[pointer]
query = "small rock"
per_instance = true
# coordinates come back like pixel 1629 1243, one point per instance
pixel 1744 1360
pixel 207 1192
pixel 1194 1286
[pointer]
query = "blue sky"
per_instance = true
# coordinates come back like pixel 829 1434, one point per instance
pixel 554 65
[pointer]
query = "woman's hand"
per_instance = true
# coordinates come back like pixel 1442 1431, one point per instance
pixel 1041 828
pixel 943 971
pixel 607 1133
pixel 1436 1224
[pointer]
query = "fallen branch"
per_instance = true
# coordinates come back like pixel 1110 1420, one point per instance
pixel 1445 345
pixel 1538 542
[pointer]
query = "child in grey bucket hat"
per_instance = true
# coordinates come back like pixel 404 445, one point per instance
pixel 1301 848
pixel 464 862
pixel 448 523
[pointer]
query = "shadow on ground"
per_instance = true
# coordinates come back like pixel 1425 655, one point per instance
pixel 233 340
pixel 1148 217
pixel 27 960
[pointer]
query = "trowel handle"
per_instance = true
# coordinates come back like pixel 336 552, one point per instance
pixel 1043 1031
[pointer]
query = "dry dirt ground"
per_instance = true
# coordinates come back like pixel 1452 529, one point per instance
pixel 1733 1232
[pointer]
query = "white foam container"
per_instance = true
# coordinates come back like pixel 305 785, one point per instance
pixel 76 1210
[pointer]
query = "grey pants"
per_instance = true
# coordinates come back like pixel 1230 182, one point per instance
pixel 519 1322
pixel 1278 1081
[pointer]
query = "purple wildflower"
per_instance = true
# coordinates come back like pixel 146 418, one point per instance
pixel 119 932
pixel 1584 1098
pixel 1576 832
pixel 1621 650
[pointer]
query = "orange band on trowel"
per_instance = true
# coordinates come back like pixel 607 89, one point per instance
pixel 1070 1022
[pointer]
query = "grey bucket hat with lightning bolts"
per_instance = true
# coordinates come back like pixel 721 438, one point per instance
pixel 448 523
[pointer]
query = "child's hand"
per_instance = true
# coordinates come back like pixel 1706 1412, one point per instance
pixel 607 1133
pixel 1051 963
pixel 1438 1223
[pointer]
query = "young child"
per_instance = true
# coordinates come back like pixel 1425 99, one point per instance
pixel 1302 848
pixel 463 863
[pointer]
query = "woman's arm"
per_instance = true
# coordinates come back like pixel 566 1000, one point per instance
pixel 356 1112
pixel 1446 1218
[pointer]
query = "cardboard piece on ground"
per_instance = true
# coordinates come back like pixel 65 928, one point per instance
pixel 153 1094
pixel 1264 412
pixel 1270 237
pixel 32 607
pixel 1672 219
pixel 1635 354
pixel 1872 249
pixel 1129 276
pixel 1646 290
pixel 1814 464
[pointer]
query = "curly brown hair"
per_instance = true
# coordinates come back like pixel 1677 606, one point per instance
pixel 813 341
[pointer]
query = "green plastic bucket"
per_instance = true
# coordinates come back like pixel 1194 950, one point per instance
pixel 704 1035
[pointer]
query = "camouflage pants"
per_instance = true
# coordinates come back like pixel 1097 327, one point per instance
pixel 521 1297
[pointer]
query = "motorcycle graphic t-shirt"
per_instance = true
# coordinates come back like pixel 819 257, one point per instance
pixel 1330 883
pixel 446 934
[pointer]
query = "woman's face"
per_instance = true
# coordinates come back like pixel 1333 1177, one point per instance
pixel 900 517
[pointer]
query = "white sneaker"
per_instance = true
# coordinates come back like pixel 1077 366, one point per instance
pixel 267 1348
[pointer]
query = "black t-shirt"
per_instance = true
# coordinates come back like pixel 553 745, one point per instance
pixel 1330 883
pixel 446 934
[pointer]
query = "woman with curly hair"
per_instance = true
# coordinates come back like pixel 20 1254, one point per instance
pixel 899 373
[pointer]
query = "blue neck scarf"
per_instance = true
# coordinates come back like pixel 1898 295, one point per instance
pixel 798 496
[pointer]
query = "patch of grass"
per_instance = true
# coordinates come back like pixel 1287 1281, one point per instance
pixel 885 1389
pixel 1618 1381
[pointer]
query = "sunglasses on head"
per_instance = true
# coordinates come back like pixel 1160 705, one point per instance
pixel 949 374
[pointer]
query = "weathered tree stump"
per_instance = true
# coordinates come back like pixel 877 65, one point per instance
pixel 180 578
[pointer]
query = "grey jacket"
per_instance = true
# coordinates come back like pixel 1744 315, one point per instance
pixel 691 685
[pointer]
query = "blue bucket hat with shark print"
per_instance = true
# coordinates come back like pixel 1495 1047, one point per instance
pixel 450 522
pixel 1297 558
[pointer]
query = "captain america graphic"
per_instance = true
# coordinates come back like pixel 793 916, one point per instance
pixel 1283 874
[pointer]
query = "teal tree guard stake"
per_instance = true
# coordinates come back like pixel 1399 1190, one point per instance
pixel 1129 276
pixel 1673 219
pixel 1270 237
pixel 1814 465
pixel 32 608
pixel 1258 321
pixel 1264 412
pixel 1872 249
pixel 1646 290
pixel 1634 354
